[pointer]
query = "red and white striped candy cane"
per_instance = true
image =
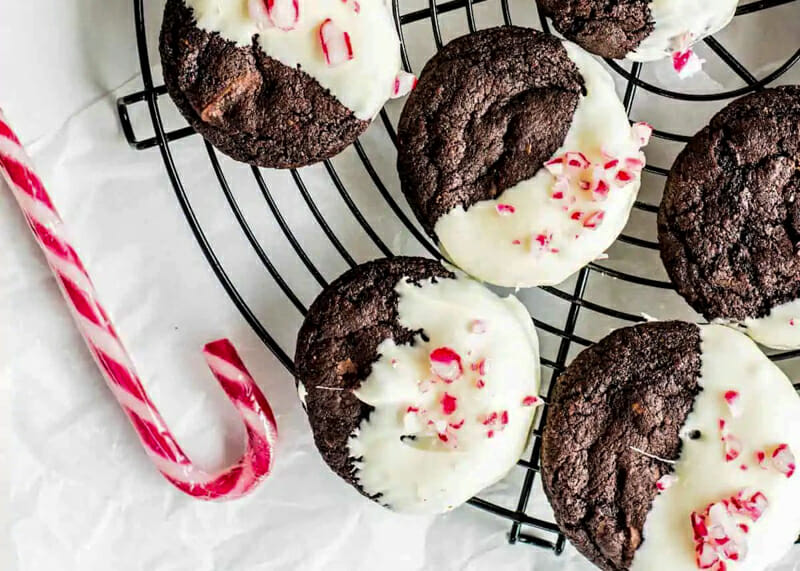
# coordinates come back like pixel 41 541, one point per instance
pixel 116 364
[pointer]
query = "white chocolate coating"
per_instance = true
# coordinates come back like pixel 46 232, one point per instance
pixel 425 474
pixel 770 415
pixel 675 19
pixel 780 329
pixel 481 242
pixel 362 84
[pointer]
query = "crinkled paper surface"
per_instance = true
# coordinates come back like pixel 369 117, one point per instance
pixel 79 493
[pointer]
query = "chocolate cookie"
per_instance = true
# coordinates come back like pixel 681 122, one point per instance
pixel 280 88
pixel 517 157
pixel 420 385
pixel 650 452
pixel 729 222
pixel 641 30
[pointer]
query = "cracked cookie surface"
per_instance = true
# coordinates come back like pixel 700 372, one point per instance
pixel 729 222
pixel 633 389
pixel 489 109
pixel 338 343
pixel 607 28
pixel 247 104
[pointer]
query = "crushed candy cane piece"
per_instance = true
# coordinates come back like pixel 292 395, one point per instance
pixel 761 459
pixel 336 46
pixel 641 133
pixel 686 63
pixel 446 364
pixel 733 447
pixel 593 219
pixel 477 326
pixel 531 400
pixel 283 14
pixel 706 556
pixel 480 383
pixel 666 481
pixel 505 209
pixel 783 460
pixel 576 160
pixel 479 366
pixel 555 166
pixel 449 403
pixel 404 83
pixel 624 176
pixel 733 398
pixel 718 536
pixel 354 5
pixel 457 425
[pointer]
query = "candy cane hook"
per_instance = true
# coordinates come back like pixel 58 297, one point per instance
pixel 117 366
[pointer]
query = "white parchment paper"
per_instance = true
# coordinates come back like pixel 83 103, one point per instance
pixel 78 492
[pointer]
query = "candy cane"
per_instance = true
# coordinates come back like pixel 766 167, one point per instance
pixel 116 365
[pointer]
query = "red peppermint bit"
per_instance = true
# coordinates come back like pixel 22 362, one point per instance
pixel 749 504
pixel 457 425
pixel 734 402
pixel 744 527
pixel 686 62
pixel 585 185
pixel 723 431
pixel 791 322
pixel 449 404
pixel 560 186
pixel 516 242
pixel 666 481
pixel 783 460
pixel 404 82
pixel 504 418
pixel 479 366
pixel 555 166
pixel 335 43
pixel 734 550
pixel 554 250
pixel 558 195
pixel 477 326
pixel 412 409
pixel 593 219
pixel 761 459
pixel 443 437
pixel 505 209
pixel 601 188
pixel 284 14
pixel 611 164
pixel 706 556
pixel 743 467
pixel 480 383
pixel 356 7
pixel 634 164
pixel 732 447
pixel 543 239
pixel 624 176
pixel 491 419
pixel 531 400
pixel 446 364
pixel 490 434
pixel 699 527
pixel 642 133
pixel 576 159
pixel 576 215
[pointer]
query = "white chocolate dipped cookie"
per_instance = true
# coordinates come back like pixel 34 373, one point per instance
pixel 517 156
pixel 420 385
pixel 687 458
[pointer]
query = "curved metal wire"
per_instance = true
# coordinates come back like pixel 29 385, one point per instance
pixel 524 528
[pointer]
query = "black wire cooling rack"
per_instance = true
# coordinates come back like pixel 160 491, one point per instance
pixel 523 527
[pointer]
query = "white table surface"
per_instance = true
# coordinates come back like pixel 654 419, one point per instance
pixel 79 492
